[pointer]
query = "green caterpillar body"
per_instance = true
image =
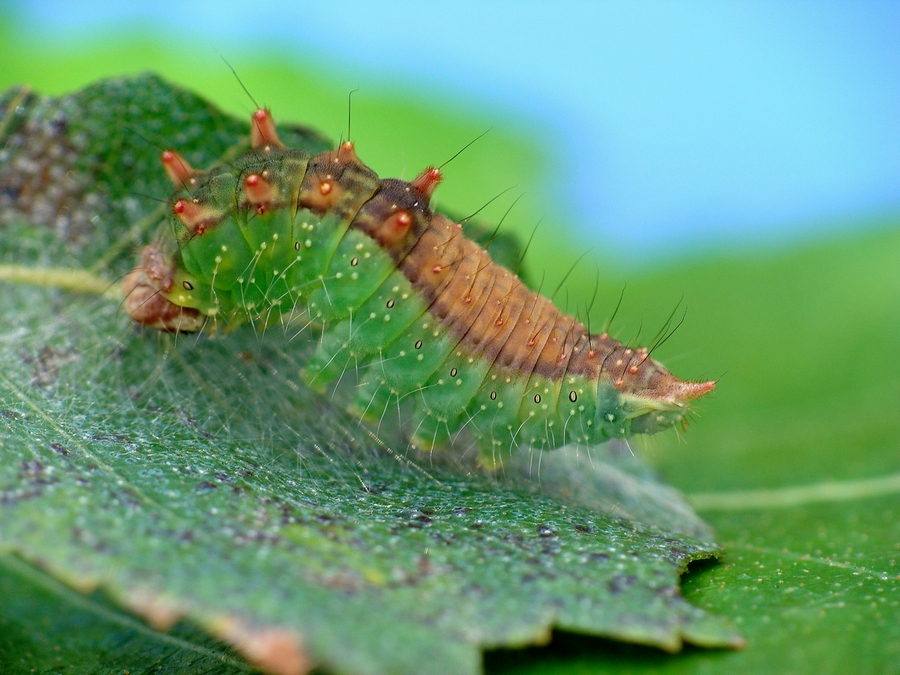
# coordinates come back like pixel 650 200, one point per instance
pixel 401 293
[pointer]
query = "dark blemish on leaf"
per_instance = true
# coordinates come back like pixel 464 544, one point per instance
pixel 130 498
pixel 59 449
pixel 461 510
pixel 33 468
pixel 477 525
pixel 667 592
pixel 514 539
pixel 12 415
pixel 60 124
pixel 206 485
pixel 103 438
pixel 598 557
pixel 545 531
pixel 585 529
pixel 678 553
pixel 45 364
pixel 621 583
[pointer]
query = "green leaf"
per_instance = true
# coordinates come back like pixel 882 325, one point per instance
pixel 197 478
pixel 795 460
pixel 47 627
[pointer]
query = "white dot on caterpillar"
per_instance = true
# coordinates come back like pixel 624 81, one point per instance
pixel 307 243
pixel 420 357
pixel 354 276
pixel 218 260
pixel 610 417
pixel 263 246
pixel 339 275
pixel 402 352
pixel 459 382
pixel 387 317
pixel 372 315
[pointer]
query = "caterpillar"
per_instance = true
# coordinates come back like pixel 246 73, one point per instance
pixel 400 292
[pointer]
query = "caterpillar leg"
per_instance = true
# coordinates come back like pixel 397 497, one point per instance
pixel 432 432
pixel 373 399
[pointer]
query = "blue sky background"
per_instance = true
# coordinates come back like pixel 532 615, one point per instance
pixel 676 123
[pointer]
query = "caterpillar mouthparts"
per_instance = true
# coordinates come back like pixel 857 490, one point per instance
pixel 400 292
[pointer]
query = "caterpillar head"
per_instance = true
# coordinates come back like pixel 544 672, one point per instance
pixel 148 306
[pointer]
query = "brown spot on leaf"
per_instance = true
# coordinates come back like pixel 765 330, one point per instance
pixel 272 649
pixel 159 611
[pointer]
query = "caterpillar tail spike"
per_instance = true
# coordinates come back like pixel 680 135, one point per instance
pixel 398 289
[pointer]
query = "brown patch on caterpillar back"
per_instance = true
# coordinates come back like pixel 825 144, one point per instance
pixel 396 216
pixel 496 317
pixel 337 181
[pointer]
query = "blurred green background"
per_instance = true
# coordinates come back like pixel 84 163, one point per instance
pixel 795 459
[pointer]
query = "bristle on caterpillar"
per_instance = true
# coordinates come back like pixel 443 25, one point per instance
pixel 400 292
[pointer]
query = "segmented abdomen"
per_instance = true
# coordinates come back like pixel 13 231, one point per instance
pixel 401 292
